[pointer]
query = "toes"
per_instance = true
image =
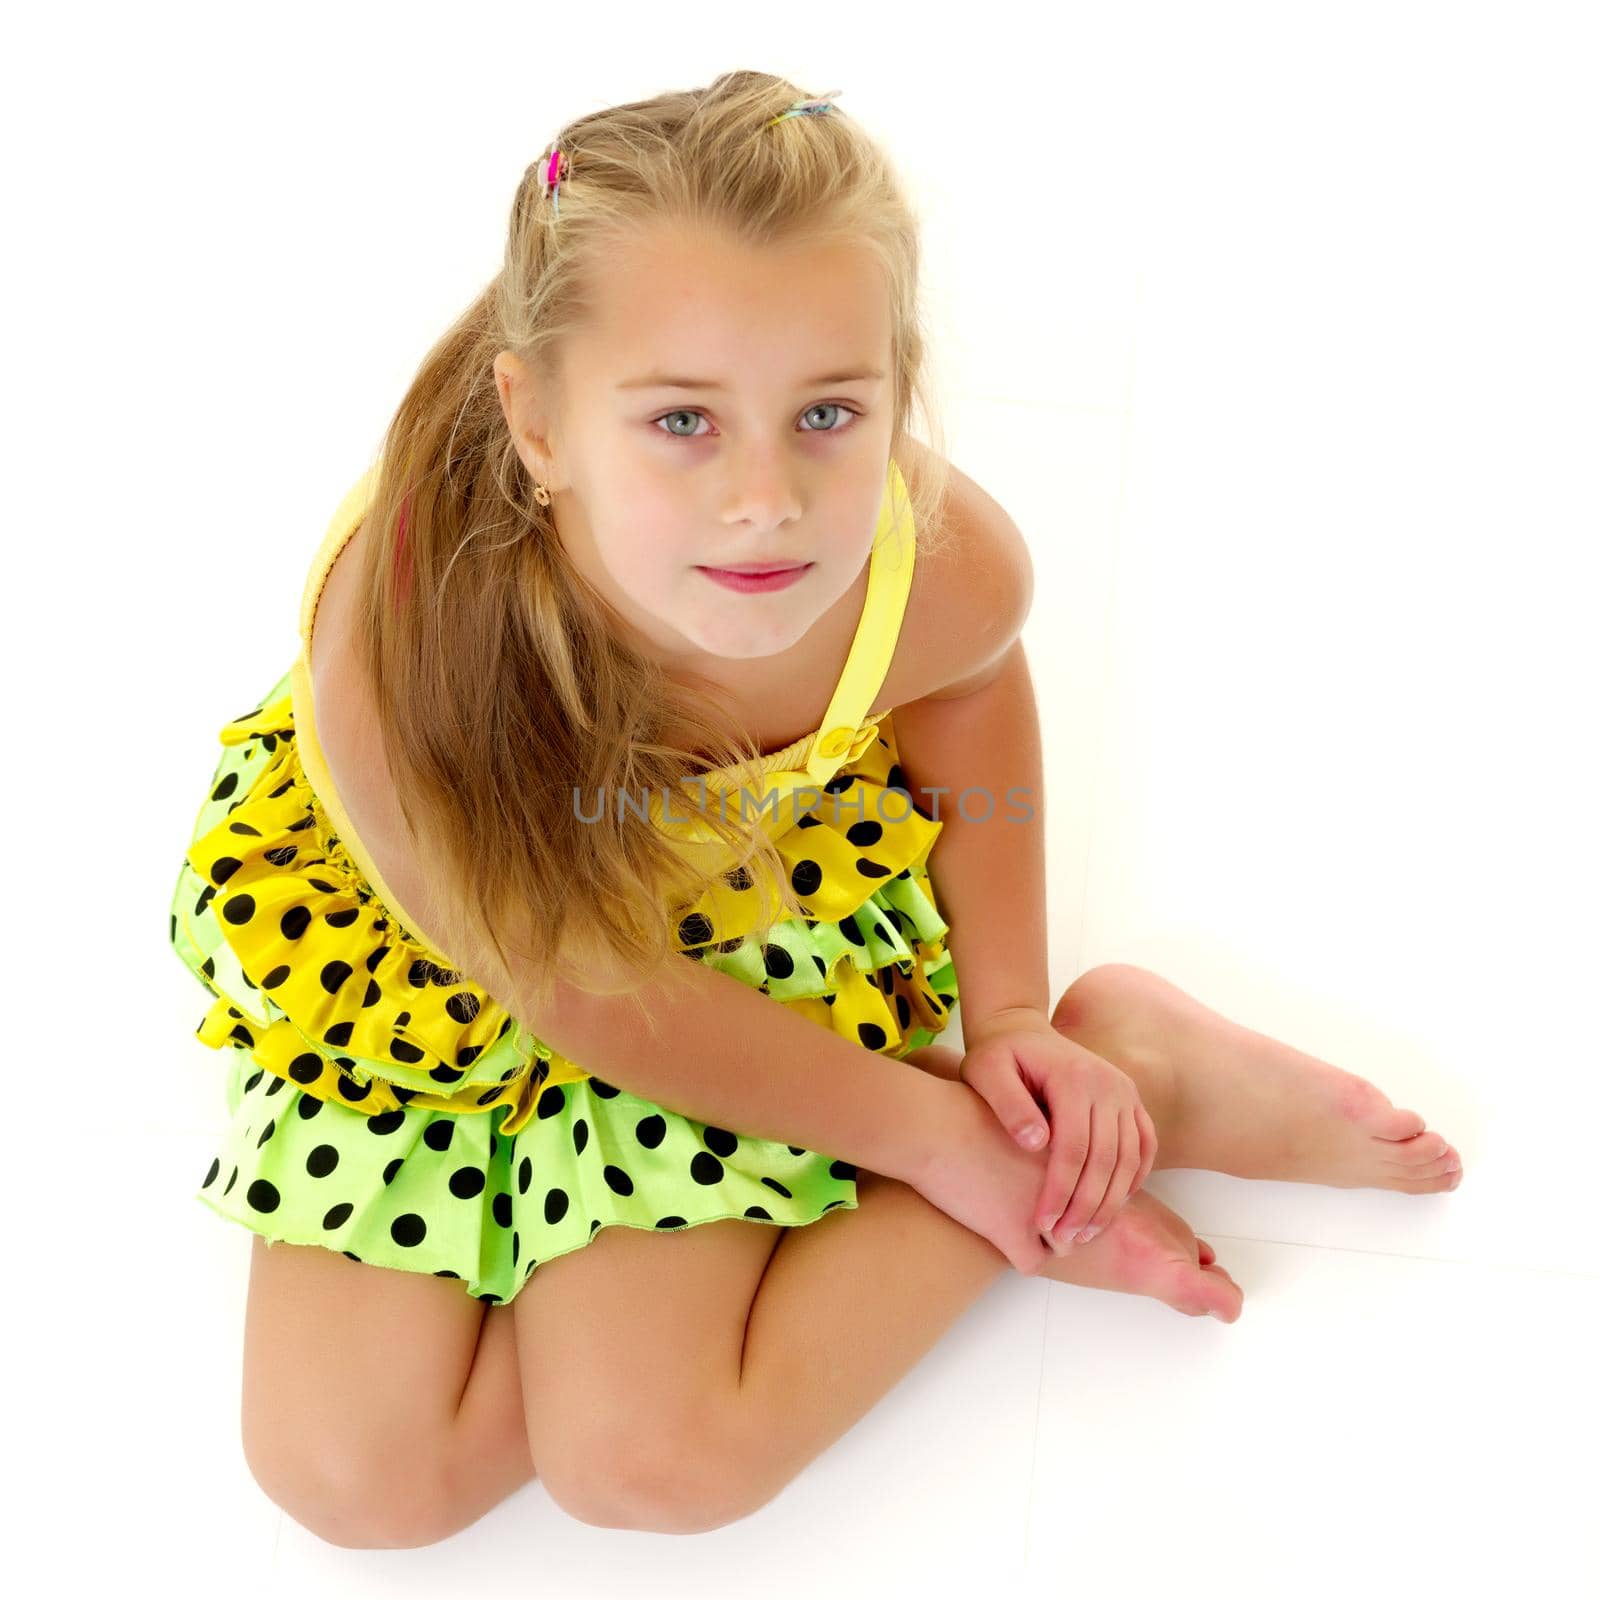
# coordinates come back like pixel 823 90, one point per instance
pixel 1435 1185
pixel 1213 1293
pixel 1448 1163
pixel 1207 1254
pixel 1397 1125
pixel 1417 1151
pixel 1228 1306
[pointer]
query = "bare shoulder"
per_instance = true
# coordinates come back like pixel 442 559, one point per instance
pixel 969 595
pixel 350 737
pixel 345 727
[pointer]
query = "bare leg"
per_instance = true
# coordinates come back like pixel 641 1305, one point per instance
pixel 884 1282
pixel 849 1305
pixel 844 1312
pixel 1232 1100
pixel 488 1457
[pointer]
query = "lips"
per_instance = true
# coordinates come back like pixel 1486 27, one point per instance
pixel 746 582
pixel 759 569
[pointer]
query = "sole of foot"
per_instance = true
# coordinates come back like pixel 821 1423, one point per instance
pixel 1254 1107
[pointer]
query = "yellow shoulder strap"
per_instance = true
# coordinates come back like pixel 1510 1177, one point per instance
pixel 845 728
pixel 351 510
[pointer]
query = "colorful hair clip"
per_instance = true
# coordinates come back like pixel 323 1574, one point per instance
pixel 809 108
pixel 550 180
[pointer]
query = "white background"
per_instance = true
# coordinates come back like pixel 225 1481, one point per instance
pixel 1274 326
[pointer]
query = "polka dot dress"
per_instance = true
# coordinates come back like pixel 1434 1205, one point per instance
pixel 381 1105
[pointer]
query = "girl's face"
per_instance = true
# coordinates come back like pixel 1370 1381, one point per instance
pixel 725 407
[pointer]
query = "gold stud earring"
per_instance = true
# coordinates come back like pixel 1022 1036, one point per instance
pixel 541 494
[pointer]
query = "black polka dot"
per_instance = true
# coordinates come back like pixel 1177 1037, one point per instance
pixel 721 1142
pixel 239 908
pixel 333 975
pixel 806 877
pixel 408 1230
pixel 466 1183
pixel 386 1170
pixel 462 1007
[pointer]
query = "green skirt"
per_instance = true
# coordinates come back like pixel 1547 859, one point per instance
pixel 305 1157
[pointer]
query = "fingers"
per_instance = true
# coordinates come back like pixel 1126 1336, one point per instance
pixel 1149 1145
pixel 1095 1173
pixel 1114 1163
pixel 1097 1158
pixel 1069 1151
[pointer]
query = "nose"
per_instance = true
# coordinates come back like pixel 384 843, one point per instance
pixel 762 492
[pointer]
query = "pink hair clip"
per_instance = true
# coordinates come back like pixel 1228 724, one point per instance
pixel 557 168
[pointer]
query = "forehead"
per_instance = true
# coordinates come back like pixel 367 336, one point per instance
pixel 700 301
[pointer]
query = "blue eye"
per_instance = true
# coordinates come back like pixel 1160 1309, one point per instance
pixel 821 405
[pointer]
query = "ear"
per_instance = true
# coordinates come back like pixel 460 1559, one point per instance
pixel 513 383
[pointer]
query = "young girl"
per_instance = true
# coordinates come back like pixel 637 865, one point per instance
pixel 530 1190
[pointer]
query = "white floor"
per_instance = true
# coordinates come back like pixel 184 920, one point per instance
pixel 1290 385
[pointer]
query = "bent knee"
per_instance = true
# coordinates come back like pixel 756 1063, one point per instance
pixel 354 1507
pixel 651 1491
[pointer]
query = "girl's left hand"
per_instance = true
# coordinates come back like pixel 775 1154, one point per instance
pixel 1102 1141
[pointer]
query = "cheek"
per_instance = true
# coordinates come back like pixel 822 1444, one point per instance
pixel 648 560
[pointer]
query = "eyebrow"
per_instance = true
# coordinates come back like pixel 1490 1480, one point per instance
pixel 662 380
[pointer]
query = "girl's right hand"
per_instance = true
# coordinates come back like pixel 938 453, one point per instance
pixel 975 1172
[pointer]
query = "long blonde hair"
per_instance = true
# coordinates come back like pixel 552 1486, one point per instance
pixel 500 688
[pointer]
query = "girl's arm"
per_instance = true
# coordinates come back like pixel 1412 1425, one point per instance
pixel 727 1055
pixel 971 755
pixel 723 1053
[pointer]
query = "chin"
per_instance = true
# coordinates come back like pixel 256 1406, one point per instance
pixel 749 648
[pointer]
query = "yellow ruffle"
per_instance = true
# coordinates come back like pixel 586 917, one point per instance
pixel 334 972
pixel 862 967
pixel 336 995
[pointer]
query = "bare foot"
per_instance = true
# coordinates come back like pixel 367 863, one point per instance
pixel 1147 1248
pixel 1249 1105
